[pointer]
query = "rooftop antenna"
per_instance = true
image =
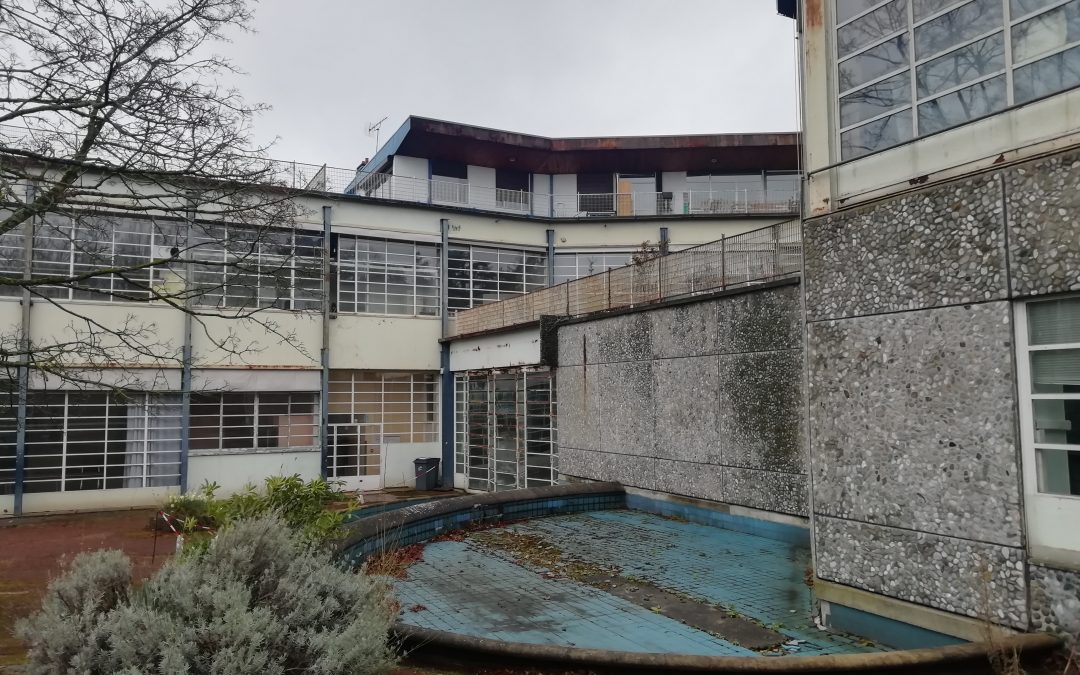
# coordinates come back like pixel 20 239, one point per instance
pixel 373 131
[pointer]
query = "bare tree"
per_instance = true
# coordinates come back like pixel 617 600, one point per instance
pixel 131 169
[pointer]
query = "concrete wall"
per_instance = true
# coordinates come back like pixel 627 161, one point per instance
pixel 502 350
pixel 233 470
pixel 702 399
pixel 917 472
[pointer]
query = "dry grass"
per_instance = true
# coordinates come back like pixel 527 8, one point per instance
pixel 394 562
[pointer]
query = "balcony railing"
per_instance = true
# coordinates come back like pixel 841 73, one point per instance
pixel 457 192
pixel 596 205
pixel 753 257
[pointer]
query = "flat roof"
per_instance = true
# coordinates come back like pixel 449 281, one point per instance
pixel 480 146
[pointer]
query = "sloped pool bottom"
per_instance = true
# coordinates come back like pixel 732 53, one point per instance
pixel 475 587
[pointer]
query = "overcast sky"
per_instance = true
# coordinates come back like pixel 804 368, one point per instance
pixel 547 67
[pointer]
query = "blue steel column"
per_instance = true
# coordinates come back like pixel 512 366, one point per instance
pixel 446 378
pixel 447 422
pixel 324 352
pixel 24 360
pixel 185 363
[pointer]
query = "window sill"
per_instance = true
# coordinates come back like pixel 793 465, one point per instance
pixel 218 452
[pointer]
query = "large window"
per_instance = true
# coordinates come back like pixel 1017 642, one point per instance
pixel 505 433
pixel 907 68
pixel 250 420
pixel 570 266
pixel 380 276
pixel 478 275
pixel 249 269
pixel 370 409
pixel 233 266
pixel 1048 333
pixel 93 441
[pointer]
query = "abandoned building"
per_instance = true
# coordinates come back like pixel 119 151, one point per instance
pixel 444 218
pixel 900 374
pixel 882 350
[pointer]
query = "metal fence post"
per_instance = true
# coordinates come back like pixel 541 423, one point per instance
pixel 660 278
pixel 723 262
pixel 608 282
pixel 776 249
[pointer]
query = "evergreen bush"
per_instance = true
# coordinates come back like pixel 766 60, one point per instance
pixel 261 599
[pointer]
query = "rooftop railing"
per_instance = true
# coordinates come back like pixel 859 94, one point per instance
pixel 459 192
pixel 753 257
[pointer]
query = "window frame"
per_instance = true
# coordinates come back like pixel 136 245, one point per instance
pixel 341 292
pixel 915 101
pixel 1051 518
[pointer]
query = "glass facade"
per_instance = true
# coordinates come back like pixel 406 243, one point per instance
pixel 908 68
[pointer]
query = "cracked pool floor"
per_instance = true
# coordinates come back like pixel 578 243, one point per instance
pixel 625 580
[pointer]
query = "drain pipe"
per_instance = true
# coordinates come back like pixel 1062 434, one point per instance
pixel 24 360
pixel 446 378
pixel 324 352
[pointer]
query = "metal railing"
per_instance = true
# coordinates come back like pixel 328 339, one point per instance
pixel 336 180
pixel 576 205
pixel 757 256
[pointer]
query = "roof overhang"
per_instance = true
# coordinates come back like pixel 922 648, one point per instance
pixel 436 139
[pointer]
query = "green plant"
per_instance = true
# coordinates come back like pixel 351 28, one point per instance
pixel 303 505
pixel 260 599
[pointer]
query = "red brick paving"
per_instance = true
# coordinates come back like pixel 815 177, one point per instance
pixel 33 550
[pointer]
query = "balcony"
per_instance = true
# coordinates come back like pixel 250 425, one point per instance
pixel 596 205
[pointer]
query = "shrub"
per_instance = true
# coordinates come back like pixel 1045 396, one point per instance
pixel 260 599
pixel 305 506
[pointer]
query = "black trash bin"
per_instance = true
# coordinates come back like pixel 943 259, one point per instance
pixel 427 473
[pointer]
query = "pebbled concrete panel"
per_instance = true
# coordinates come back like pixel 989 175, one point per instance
pixel 957 575
pixel 1043 218
pixel 912 420
pixel 683 330
pixel 942 246
pixel 624 338
pixel 761 410
pixel 673 396
pixel 766 490
pixel 761 321
pixel 575 341
pixel 627 408
pixel 687 409
pixel 662 475
pixel 1055 600
pixel 578 394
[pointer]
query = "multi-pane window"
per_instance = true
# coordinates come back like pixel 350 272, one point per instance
pixel 1053 360
pixel 232 266
pixel 382 276
pixel 506 429
pixel 11 259
pixel 907 68
pixel 250 420
pixel 66 248
pixel 252 268
pixel 84 440
pixel 478 275
pixel 1048 367
pixel 570 266
pixel 368 409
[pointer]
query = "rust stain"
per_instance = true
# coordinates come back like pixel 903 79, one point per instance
pixel 1000 158
pixel 815 14
pixel 919 180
